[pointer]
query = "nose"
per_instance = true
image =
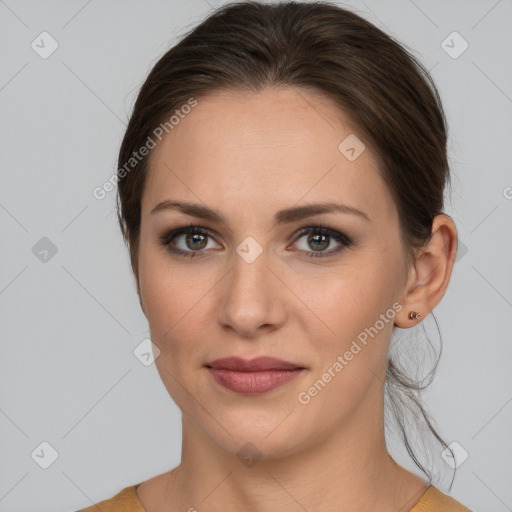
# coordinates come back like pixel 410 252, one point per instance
pixel 251 298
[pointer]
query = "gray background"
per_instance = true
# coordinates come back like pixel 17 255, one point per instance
pixel 71 320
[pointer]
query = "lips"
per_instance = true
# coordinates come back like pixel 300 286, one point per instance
pixel 252 365
pixel 253 376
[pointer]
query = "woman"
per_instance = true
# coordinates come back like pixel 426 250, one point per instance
pixel 281 193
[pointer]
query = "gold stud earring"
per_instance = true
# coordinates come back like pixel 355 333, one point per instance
pixel 413 315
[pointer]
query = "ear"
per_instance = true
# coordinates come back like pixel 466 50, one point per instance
pixel 430 274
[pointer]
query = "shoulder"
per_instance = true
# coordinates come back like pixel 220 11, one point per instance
pixel 433 500
pixel 124 501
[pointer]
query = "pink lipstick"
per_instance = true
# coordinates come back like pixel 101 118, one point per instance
pixel 253 376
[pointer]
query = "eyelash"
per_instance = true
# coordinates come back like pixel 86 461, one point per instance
pixel 341 238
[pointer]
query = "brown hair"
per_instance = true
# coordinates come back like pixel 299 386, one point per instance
pixel 319 46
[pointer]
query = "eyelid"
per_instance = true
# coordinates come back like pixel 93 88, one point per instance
pixel 343 240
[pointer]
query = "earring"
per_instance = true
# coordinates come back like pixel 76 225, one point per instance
pixel 413 315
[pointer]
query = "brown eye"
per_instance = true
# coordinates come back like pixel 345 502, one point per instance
pixel 196 241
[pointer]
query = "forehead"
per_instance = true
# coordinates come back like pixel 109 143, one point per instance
pixel 276 148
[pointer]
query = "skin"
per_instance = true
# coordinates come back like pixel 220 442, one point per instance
pixel 248 155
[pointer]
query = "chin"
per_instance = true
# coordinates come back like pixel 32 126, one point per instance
pixel 255 438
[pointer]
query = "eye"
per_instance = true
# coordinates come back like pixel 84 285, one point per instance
pixel 187 241
pixel 192 240
pixel 320 238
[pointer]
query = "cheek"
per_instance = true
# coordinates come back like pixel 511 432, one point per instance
pixel 352 351
pixel 176 300
pixel 350 302
pixel 350 298
pixel 162 291
pixel 180 316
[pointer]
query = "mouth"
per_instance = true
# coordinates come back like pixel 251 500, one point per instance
pixel 254 376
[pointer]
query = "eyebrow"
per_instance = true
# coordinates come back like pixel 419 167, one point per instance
pixel 285 216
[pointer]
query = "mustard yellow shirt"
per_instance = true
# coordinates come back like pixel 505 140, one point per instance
pixel 433 500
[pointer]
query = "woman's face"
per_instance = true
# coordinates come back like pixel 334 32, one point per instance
pixel 260 279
